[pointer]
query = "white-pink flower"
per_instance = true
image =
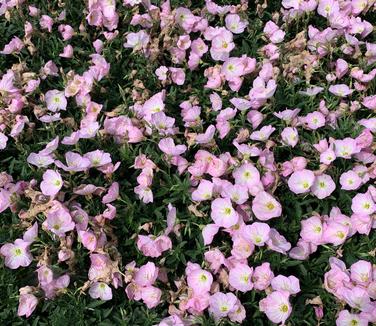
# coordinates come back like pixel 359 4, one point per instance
pixel 52 183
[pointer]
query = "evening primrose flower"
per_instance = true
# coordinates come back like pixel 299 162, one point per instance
pixel 55 100
pixel 16 254
pixel 222 213
pixel 247 175
pixel 361 272
pixel 323 186
pixel 200 281
pixel 59 221
pixel 363 204
pixel 265 206
pixel 328 7
pixel 235 24
pixel 137 41
pixel 312 230
pixel 100 290
pixel 301 181
pixel 345 148
pixel 204 191
pixel 221 304
pixel 350 180
pixel 258 233
pixel 315 120
pixel 27 304
pixel 146 275
pixel 283 283
pixel 262 276
pixel 345 318
pixel 52 183
pixel 289 136
pixel 340 90
pixel 276 306
pixel 240 277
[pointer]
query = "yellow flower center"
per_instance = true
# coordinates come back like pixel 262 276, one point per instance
pixel 270 206
pixel 284 308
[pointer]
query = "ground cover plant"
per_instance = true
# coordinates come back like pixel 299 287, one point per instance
pixel 187 162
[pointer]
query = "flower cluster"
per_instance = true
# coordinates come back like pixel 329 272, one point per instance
pixel 216 147
pixel 356 288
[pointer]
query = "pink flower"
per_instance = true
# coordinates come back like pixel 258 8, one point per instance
pixel 315 120
pixel 278 242
pixel 350 180
pixel 276 306
pixel 356 297
pixel 208 233
pixel 242 248
pixel 247 175
pixel 112 194
pixel 151 296
pixel 265 206
pixel 207 136
pixel 312 230
pixel 14 46
pixel 262 276
pixel 52 183
pixel 289 136
pixel 340 90
pixel 240 277
pixel 75 162
pixel 46 22
pixel 361 272
pixel 200 281
pixel 301 181
pixel 257 232
pixel 345 148
pixel 161 73
pixel 237 193
pixel 67 52
pixel 88 240
pixel 146 275
pixel 327 8
pixel 335 233
pixel 32 85
pixel 222 213
pixel 100 290
pixel 289 284
pixel 273 32
pixel 16 254
pixel 342 67
pixel 263 134
pixel 4 200
pixel 153 247
pixel 255 118
pixel 66 31
pixel 27 304
pixel 235 24
pixel 363 204
pixel 98 158
pixel 31 234
pixel 323 186
pixel 177 75
pixel 221 304
pixel 203 192
pixel 59 221
pixel 167 146
pixel 137 41
pixel 222 45
pixel 370 102
pixel 345 318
